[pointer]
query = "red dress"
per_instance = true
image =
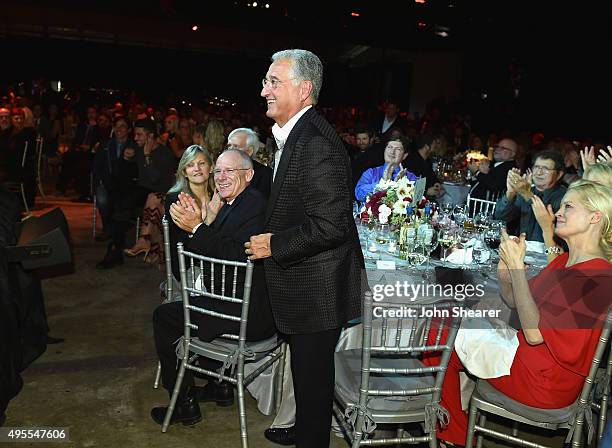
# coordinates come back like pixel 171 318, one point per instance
pixel 573 303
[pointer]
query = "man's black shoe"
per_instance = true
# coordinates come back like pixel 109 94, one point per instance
pixel 52 340
pixel 220 393
pixel 281 436
pixel 186 412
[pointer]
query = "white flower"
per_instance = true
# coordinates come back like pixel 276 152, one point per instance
pixel 384 185
pixel 400 207
pixel 383 214
pixel 404 189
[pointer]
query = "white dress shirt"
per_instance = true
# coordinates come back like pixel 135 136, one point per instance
pixel 281 135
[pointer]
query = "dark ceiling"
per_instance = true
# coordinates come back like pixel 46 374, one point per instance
pixel 403 24
pixel 560 49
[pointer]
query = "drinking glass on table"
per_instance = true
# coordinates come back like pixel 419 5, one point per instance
pixel 382 234
pixel 428 241
pixel 481 222
pixel 493 234
pixel 481 253
pixel 460 214
pixel 447 238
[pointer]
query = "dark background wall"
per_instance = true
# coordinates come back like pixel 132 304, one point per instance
pixel 557 56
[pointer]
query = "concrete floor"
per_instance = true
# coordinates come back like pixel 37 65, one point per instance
pixel 98 383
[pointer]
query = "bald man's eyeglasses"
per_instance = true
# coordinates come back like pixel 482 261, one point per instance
pixel 228 171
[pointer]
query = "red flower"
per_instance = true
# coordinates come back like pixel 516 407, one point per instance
pixel 375 202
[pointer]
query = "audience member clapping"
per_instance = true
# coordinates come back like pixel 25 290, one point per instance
pixel 516 203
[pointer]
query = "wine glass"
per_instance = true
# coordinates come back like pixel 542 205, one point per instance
pixel 428 242
pixel 459 214
pixel 447 238
pixel 382 234
pixel 481 222
pixel 481 254
pixel 493 234
pixel 447 208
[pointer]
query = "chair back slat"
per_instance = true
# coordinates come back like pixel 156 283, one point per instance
pixel 600 351
pixel 168 257
pixel 418 342
pixel 195 284
pixel 476 206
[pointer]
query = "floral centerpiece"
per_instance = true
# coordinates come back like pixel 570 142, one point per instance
pixel 391 200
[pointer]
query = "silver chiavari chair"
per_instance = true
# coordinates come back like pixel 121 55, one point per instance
pixel 168 287
pixel 40 141
pixel 385 382
pixel 231 349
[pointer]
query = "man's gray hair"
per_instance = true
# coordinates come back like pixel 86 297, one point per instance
pixel 251 140
pixel 306 67
pixel 245 160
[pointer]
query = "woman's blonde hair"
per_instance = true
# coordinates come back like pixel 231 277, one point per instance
pixel 182 182
pixel 597 197
pixel 599 172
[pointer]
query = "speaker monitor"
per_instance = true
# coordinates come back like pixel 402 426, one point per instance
pixel 45 240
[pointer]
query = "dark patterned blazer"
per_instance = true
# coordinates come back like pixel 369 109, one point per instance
pixel 314 273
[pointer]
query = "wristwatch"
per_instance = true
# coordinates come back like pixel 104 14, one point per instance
pixel 552 250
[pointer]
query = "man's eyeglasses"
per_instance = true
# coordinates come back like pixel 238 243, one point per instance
pixel 228 171
pixel 544 169
pixel 273 83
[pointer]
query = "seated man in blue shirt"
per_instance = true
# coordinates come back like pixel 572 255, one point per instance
pixel 395 153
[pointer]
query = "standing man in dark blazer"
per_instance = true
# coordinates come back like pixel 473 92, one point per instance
pixel 247 140
pixel 240 216
pixel 313 260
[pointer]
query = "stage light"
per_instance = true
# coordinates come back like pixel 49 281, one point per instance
pixel 254 4
pixel 267 5
pixel 355 14
pixel 421 24
pixel 194 28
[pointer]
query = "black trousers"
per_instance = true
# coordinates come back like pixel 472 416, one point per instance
pixel 168 327
pixel 312 364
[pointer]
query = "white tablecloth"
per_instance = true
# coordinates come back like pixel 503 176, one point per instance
pixel 454 193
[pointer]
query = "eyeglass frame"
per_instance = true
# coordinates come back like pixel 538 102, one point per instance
pixel 273 83
pixel 228 171
pixel 544 169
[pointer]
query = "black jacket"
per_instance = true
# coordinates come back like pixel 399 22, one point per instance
pixel 494 181
pixel 262 180
pixel 314 274
pixel 225 239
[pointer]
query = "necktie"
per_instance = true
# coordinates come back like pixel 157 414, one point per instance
pixel 222 214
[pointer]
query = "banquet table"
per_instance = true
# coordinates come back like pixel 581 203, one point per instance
pixel 351 337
